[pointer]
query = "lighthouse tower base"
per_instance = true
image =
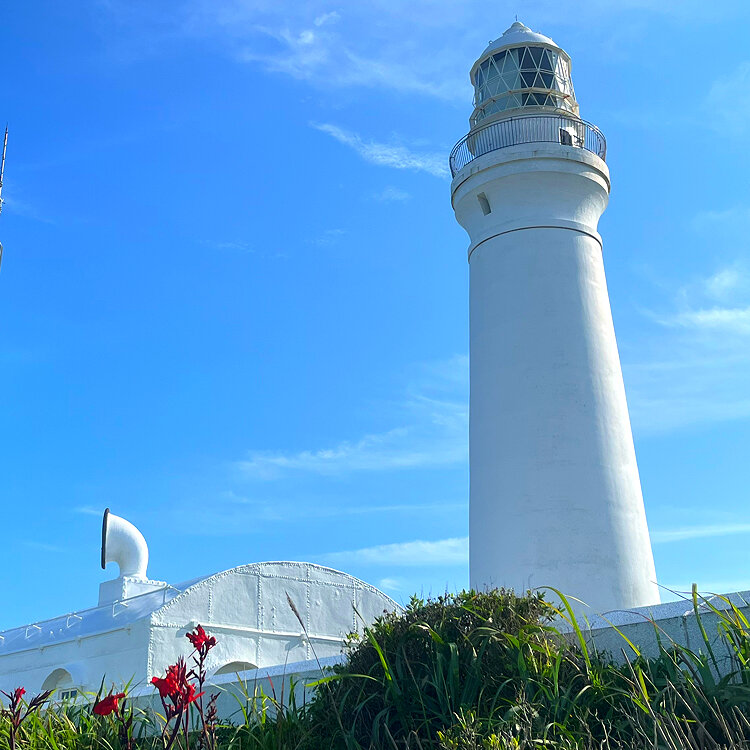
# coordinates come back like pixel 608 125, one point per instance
pixel 555 495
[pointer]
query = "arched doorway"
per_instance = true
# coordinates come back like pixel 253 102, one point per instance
pixel 61 681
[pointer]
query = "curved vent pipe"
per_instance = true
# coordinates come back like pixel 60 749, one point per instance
pixel 123 544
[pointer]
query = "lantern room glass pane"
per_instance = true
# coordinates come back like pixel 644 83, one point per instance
pixel 513 56
pixel 523 76
pixel 512 79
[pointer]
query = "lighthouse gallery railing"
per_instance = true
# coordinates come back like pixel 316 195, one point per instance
pixel 568 131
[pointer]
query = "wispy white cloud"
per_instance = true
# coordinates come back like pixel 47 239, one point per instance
pixel 420 553
pixel 265 510
pixel 732 219
pixel 717 303
pixel 421 47
pixel 88 510
pixel 694 366
pixel 237 246
pixel 44 547
pixel 235 515
pixel 361 46
pixel 678 396
pixel 706 587
pixel 730 113
pixel 387 154
pixel 385 451
pixel 322 57
pixel 329 237
pixel 390 584
pixel 327 18
pixel 730 319
pixel 417 47
pixel 391 194
pixel 727 282
pixel 434 433
pixel 14 205
pixel 684 533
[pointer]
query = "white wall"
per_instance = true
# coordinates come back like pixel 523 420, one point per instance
pixel 119 654
pixel 555 494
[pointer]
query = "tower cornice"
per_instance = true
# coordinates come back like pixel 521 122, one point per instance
pixel 545 156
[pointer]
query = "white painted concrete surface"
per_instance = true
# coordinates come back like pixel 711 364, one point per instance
pixel 124 545
pixel 245 608
pixel 555 497
pixel 672 623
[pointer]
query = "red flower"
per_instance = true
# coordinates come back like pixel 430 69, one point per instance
pixel 168 685
pixel 200 638
pixel 107 705
pixel 175 686
pixel 163 686
pixel 190 696
pixel 18 693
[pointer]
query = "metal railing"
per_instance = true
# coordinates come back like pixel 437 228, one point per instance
pixel 567 131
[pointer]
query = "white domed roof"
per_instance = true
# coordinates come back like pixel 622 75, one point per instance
pixel 517 34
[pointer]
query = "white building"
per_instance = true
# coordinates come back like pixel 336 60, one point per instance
pixel 139 625
pixel 555 495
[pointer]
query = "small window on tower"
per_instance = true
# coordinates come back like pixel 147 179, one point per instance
pixel 484 204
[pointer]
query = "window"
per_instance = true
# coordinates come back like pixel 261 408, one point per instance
pixel 484 204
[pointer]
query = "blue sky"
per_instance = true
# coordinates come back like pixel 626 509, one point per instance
pixel 233 302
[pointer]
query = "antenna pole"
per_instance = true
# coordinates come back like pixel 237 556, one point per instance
pixel 2 166
pixel 2 172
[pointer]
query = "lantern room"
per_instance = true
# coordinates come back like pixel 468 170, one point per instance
pixel 521 70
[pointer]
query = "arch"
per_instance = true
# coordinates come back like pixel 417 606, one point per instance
pixel 233 667
pixel 66 681
pixel 58 678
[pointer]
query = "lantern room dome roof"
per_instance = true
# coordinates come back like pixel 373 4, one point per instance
pixel 518 33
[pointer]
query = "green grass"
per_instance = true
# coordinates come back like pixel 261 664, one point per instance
pixel 478 671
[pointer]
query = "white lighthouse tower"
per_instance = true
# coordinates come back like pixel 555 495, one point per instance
pixel 555 492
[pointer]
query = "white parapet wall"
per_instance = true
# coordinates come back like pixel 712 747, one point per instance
pixel 694 626
pixel 251 691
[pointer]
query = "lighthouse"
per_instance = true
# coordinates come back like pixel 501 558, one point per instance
pixel 555 495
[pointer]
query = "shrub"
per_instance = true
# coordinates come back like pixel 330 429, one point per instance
pixel 415 671
pixel 487 671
